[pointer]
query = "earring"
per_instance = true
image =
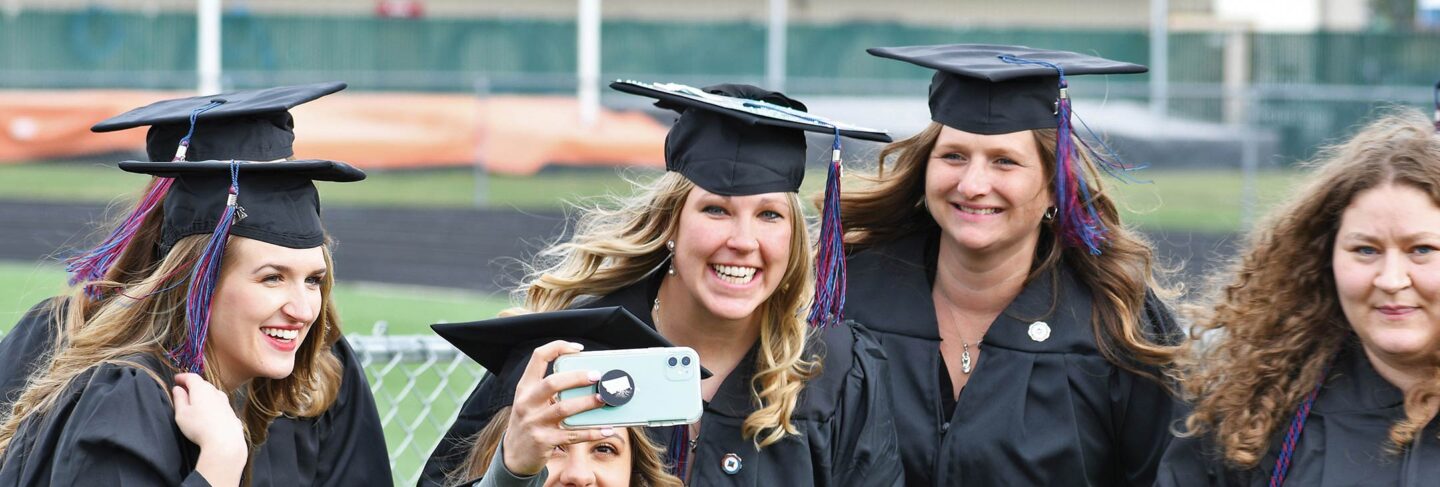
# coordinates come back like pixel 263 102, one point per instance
pixel 670 245
pixel 1050 214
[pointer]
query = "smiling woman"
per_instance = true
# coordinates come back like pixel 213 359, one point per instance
pixel 1320 362
pixel 235 312
pixel 714 255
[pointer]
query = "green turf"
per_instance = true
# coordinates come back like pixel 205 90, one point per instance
pixel 406 310
pixel 1206 200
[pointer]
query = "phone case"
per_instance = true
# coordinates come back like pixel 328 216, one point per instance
pixel 658 387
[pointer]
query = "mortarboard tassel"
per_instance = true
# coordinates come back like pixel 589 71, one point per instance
pixel 830 252
pixel 190 355
pixel 1437 106
pixel 94 264
pixel 1079 223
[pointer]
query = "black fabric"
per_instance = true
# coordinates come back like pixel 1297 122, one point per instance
pixel 747 140
pixel 1344 441
pixel 1054 412
pixel 279 200
pixel 113 426
pixel 975 91
pixel 252 125
pixel 343 446
pixel 844 416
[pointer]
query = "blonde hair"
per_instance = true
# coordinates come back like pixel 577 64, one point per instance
pixel 1273 319
pixel 123 327
pixel 890 205
pixel 646 467
pixel 618 244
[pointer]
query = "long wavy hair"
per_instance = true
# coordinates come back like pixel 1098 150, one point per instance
pixel 123 327
pixel 619 242
pixel 890 205
pixel 1272 320
pixel 646 467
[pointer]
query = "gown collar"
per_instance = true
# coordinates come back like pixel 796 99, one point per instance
pixel 1355 386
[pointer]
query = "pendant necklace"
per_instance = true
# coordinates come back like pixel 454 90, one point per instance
pixel 965 362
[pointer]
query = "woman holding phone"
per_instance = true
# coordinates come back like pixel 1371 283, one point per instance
pixel 714 255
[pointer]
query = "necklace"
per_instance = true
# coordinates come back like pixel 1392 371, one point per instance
pixel 967 363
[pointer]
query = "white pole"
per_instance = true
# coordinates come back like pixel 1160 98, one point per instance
pixel 588 75
pixel 1159 57
pixel 775 45
pixel 208 64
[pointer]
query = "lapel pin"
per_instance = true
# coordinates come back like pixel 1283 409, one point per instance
pixel 1039 331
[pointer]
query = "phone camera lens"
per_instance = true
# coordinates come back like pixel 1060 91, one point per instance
pixel 685 361
pixel 672 361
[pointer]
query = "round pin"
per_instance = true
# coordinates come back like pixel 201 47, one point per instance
pixel 1039 331
pixel 731 464
pixel 615 388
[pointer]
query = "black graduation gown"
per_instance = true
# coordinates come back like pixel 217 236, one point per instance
pixel 1344 441
pixel 847 435
pixel 114 425
pixel 343 446
pixel 1051 412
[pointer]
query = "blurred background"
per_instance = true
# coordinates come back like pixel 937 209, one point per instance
pixel 479 120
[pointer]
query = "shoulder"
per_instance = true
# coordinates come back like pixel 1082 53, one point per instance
pixel 1194 461
pixel 137 379
pixel 849 361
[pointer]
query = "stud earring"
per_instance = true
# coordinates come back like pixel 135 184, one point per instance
pixel 670 245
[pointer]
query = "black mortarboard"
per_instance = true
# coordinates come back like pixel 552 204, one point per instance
pixel 504 345
pixel 277 201
pixel 735 139
pixel 251 125
pixel 976 89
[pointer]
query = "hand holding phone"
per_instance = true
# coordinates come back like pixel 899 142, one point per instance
pixel 534 430
pixel 637 387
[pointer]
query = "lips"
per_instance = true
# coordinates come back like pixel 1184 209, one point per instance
pixel 734 274
pixel 283 339
pixel 975 210
pixel 1395 311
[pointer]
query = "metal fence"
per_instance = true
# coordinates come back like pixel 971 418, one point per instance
pixel 419 383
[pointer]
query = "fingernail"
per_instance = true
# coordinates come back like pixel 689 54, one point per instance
pixel 607 431
pixel 577 346
pixel 594 376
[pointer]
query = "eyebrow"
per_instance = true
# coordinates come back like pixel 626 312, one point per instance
pixel 284 269
pixel 1412 236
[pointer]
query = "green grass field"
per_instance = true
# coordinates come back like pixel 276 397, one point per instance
pixel 1205 200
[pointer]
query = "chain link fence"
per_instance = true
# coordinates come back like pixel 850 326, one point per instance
pixel 419 383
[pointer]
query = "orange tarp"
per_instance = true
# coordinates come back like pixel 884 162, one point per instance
pixel 509 134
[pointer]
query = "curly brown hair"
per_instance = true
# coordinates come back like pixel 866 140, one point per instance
pixel 1272 320
pixel 889 205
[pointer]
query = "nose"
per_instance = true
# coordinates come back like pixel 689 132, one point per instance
pixel 302 304
pixel 1395 276
pixel 974 180
pixel 742 236
pixel 575 469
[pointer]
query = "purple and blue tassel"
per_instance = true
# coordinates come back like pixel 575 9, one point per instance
pixel 190 355
pixel 830 252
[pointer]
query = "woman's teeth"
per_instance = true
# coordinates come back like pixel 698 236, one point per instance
pixel 978 211
pixel 734 274
pixel 281 334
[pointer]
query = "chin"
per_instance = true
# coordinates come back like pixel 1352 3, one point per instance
pixel 278 370
pixel 733 310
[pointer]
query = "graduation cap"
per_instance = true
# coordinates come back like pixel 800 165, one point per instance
pixel 250 125
pixel 734 139
pixel 273 202
pixel 504 345
pixel 997 89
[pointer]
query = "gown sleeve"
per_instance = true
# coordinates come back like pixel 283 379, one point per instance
pixel 474 415
pixel 1144 409
pixel 121 432
pixel 352 441
pixel 22 348
pixel 866 451
pixel 1187 464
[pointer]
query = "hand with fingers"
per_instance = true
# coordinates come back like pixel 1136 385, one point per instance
pixel 206 418
pixel 534 430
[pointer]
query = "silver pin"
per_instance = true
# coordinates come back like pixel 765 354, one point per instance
pixel 731 464
pixel 1039 331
